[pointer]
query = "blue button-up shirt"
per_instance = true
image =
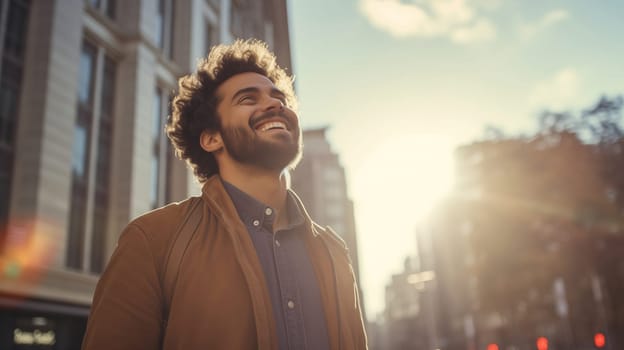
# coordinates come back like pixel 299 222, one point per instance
pixel 295 295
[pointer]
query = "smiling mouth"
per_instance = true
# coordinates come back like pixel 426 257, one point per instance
pixel 272 126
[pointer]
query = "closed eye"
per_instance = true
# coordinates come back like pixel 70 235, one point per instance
pixel 246 99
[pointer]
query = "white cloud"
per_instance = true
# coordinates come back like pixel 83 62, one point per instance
pixel 559 92
pixel 488 4
pixel 455 19
pixel 482 30
pixel 555 16
pixel 529 30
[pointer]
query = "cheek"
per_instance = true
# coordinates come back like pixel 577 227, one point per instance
pixel 236 117
pixel 243 114
pixel 292 115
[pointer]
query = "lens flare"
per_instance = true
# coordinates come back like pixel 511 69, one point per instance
pixel 28 250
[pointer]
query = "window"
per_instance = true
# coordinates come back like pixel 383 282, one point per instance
pixel 107 7
pixel 269 33
pixel 215 4
pixel 164 26
pixel 211 26
pixel 160 151
pixel 80 155
pixel 237 18
pixel 332 174
pixel 334 209
pixel 13 24
pixel 211 35
pixel 155 178
pixel 103 164
pixel 89 207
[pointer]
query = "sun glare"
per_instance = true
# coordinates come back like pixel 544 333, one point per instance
pixel 395 188
pixel 409 174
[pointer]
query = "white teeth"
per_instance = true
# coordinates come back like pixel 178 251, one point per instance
pixel 272 125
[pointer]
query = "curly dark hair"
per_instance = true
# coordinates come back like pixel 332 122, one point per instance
pixel 195 105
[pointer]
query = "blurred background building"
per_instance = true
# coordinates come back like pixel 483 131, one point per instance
pixel 526 252
pixel 320 182
pixel 84 91
pixel 404 318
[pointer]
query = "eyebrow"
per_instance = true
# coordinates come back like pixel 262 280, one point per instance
pixel 252 89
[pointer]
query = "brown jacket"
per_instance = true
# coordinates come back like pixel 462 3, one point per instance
pixel 221 300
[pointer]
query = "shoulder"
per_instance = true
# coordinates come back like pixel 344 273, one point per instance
pixel 170 215
pixel 328 234
pixel 325 232
pixel 159 225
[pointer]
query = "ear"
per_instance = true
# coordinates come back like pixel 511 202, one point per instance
pixel 211 141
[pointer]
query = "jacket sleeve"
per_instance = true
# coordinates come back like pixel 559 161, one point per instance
pixel 350 292
pixel 358 321
pixel 127 305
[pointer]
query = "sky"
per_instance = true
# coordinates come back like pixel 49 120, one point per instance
pixel 401 84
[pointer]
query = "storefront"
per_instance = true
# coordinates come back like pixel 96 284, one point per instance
pixel 40 325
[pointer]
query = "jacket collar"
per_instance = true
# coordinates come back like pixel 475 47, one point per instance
pixel 220 202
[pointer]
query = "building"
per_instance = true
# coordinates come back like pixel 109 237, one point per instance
pixel 84 91
pixel 527 247
pixel 320 181
pixel 406 316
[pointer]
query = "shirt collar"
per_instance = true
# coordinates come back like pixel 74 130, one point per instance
pixel 256 214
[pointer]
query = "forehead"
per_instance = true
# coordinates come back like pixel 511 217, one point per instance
pixel 242 81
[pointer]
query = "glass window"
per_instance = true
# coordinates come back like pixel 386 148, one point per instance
pixel 80 152
pixel 86 74
pixel 8 108
pixel 96 161
pixel 107 7
pixel 82 130
pixel 15 38
pixel 76 225
pixel 332 175
pixel 156 123
pixel 215 4
pixel 110 8
pixel 100 218
pixel 13 25
pixel 164 26
pixel 334 209
pixel 211 35
pixel 154 181
pixel 102 175
pixel 6 164
pixel 160 24
pixel 236 18
pixel 108 88
pixel 158 190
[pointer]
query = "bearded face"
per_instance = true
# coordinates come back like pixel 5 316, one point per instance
pixel 270 141
pixel 257 128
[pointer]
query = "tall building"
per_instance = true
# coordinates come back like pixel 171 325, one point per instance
pixel 527 247
pixel 84 94
pixel 407 315
pixel 320 181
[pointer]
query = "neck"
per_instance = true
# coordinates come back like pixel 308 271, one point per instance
pixel 268 187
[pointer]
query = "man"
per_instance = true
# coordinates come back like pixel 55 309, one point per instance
pixel 257 273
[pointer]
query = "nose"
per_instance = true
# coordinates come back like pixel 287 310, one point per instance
pixel 274 104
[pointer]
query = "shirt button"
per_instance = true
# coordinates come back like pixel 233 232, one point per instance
pixel 291 304
pixel 277 243
pixel 256 223
pixel 268 211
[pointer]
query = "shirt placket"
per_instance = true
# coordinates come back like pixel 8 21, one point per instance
pixel 293 313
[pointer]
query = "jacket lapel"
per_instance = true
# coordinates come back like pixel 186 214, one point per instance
pixel 220 204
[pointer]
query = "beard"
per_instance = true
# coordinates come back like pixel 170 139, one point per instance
pixel 246 147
